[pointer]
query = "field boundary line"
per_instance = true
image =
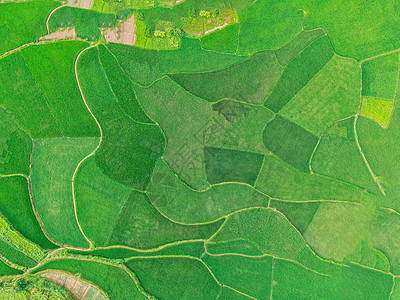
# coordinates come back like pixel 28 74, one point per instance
pixel 90 154
pixel 237 291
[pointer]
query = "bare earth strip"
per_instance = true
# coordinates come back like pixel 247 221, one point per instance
pixel 86 4
pixel 79 288
pixel 124 33
pixel 60 35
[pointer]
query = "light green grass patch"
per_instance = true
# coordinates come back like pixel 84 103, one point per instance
pixel 357 28
pixel 384 238
pixel 285 54
pixel 338 156
pixel 377 108
pixel 292 281
pixel 332 94
pixel 337 230
pixel 268 25
pixel 22 98
pixel 53 164
pixel 299 186
pixel 382 150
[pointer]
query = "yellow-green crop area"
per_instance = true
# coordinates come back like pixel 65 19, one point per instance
pixel 199 149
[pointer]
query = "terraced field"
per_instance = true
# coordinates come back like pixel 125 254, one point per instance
pixel 198 149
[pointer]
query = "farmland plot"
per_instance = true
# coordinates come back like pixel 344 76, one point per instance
pixel 199 149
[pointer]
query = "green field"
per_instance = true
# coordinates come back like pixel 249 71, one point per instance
pixel 249 81
pixel 199 149
pixel 169 195
pixel 23 23
pixel 64 101
pixel 184 150
pixel 290 142
pixel 53 165
pixel 237 126
pixel 14 193
pixel 15 147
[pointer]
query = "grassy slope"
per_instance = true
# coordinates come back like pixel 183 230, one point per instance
pixel 237 126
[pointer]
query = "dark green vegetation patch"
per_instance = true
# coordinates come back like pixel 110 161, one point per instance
pixel 290 142
pixel 230 165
